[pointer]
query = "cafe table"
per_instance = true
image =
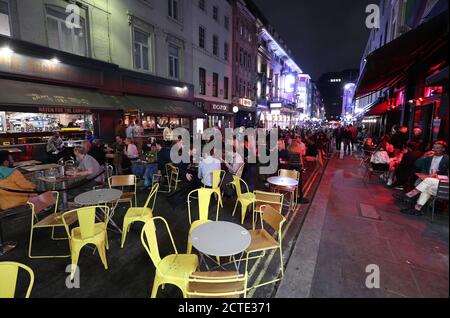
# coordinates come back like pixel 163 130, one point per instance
pixel 100 197
pixel 220 239
pixel 64 180
pixel 37 168
pixel 284 182
pixel 29 163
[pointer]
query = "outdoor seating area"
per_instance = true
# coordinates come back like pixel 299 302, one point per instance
pixel 76 215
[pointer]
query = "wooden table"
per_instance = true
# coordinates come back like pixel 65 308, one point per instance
pixel 41 167
pixel 63 180
pixel 23 164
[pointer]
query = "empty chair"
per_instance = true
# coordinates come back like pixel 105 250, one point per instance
pixel 442 194
pixel 8 279
pixel 217 285
pixel 262 241
pixel 141 214
pixel 88 232
pixel 122 182
pixel 171 269
pixel 217 177
pixel 293 190
pixel 245 199
pixel 204 199
pixel 39 205
pixel 275 200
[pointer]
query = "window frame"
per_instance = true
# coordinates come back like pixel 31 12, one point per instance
pixel 226 51
pixel 172 58
pixel 149 48
pixel 215 45
pixel 170 10
pixel 202 84
pixel 62 22
pixel 215 13
pixel 202 28
pixel 226 87
pixel 215 86
pixel 10 18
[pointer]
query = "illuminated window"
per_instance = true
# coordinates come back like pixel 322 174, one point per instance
pixel 61 37
pixel 5 23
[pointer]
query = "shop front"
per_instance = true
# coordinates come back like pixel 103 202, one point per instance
pixel 158 114
pixel 245 113
pixel 218 115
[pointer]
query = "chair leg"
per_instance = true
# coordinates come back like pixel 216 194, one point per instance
pixel 75 251
pixel 31 242
pixel 281 262
pixel 244 208
pixel 125 229
pixel 235 207
pixel 189 246
pixel 102 252
pixel 155 287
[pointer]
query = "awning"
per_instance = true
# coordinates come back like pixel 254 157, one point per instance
pixel 159 106
pixel 26 94
pixel 377 108
pixel 390 64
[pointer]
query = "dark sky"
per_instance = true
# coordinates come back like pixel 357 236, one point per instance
pixel 324 35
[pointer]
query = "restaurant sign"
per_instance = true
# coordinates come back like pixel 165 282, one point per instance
pixel 64 110
pixel 217 108
pixel 43 68
pixel 245 102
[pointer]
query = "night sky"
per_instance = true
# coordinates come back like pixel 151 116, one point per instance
pixel 324 35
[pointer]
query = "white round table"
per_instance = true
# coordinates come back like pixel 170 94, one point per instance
pixel 101 196
pixel 221 239
pixel 283 181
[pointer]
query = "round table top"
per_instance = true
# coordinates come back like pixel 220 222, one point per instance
pixel 283 181
pixel 101 196
pixel 220 239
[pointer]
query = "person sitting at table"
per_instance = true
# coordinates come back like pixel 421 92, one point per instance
pixel 424 191
pixel 97 151
pixel 89 167
pixel 434 161
pixel 131 150
pixel 12 179
pixel 400 175
pixel 52 150
pixel 298 147
pixel 163 157
pixel 206 166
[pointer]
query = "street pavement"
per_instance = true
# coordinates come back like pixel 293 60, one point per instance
pixel 351 225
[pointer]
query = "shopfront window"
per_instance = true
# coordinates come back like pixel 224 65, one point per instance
pixel 15 122
pixel 61 37
pixel 149 122
pixel 162 122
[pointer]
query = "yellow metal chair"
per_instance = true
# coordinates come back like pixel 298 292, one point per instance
pixel 8 279
pixel 173 173
pixel 173 268
pixel 122 182
pixel 262 241
pixel 204 199
pixel 39 205
pixel 143 214
pixel 275 200
pixel 217 285
pixel 88 232
pixel 245 199
pixel 217 177
pixel 292 191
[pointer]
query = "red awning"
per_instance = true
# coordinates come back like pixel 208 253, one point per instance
pixel 390 64
pixel 378 109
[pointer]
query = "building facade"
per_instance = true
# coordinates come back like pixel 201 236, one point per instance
pixel 127 59
pixel 245 53
pixel 212 61
pixel 398 91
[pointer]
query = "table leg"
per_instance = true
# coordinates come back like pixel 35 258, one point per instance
pixel 113 209
pixel 5 247
pixel 64 196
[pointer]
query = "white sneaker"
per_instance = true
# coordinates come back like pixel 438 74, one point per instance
pixel 389 183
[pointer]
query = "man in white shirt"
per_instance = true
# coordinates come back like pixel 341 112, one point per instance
pixel 206 167
pixel 130 130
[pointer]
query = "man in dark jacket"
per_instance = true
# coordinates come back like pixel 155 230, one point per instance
pixel 434 161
